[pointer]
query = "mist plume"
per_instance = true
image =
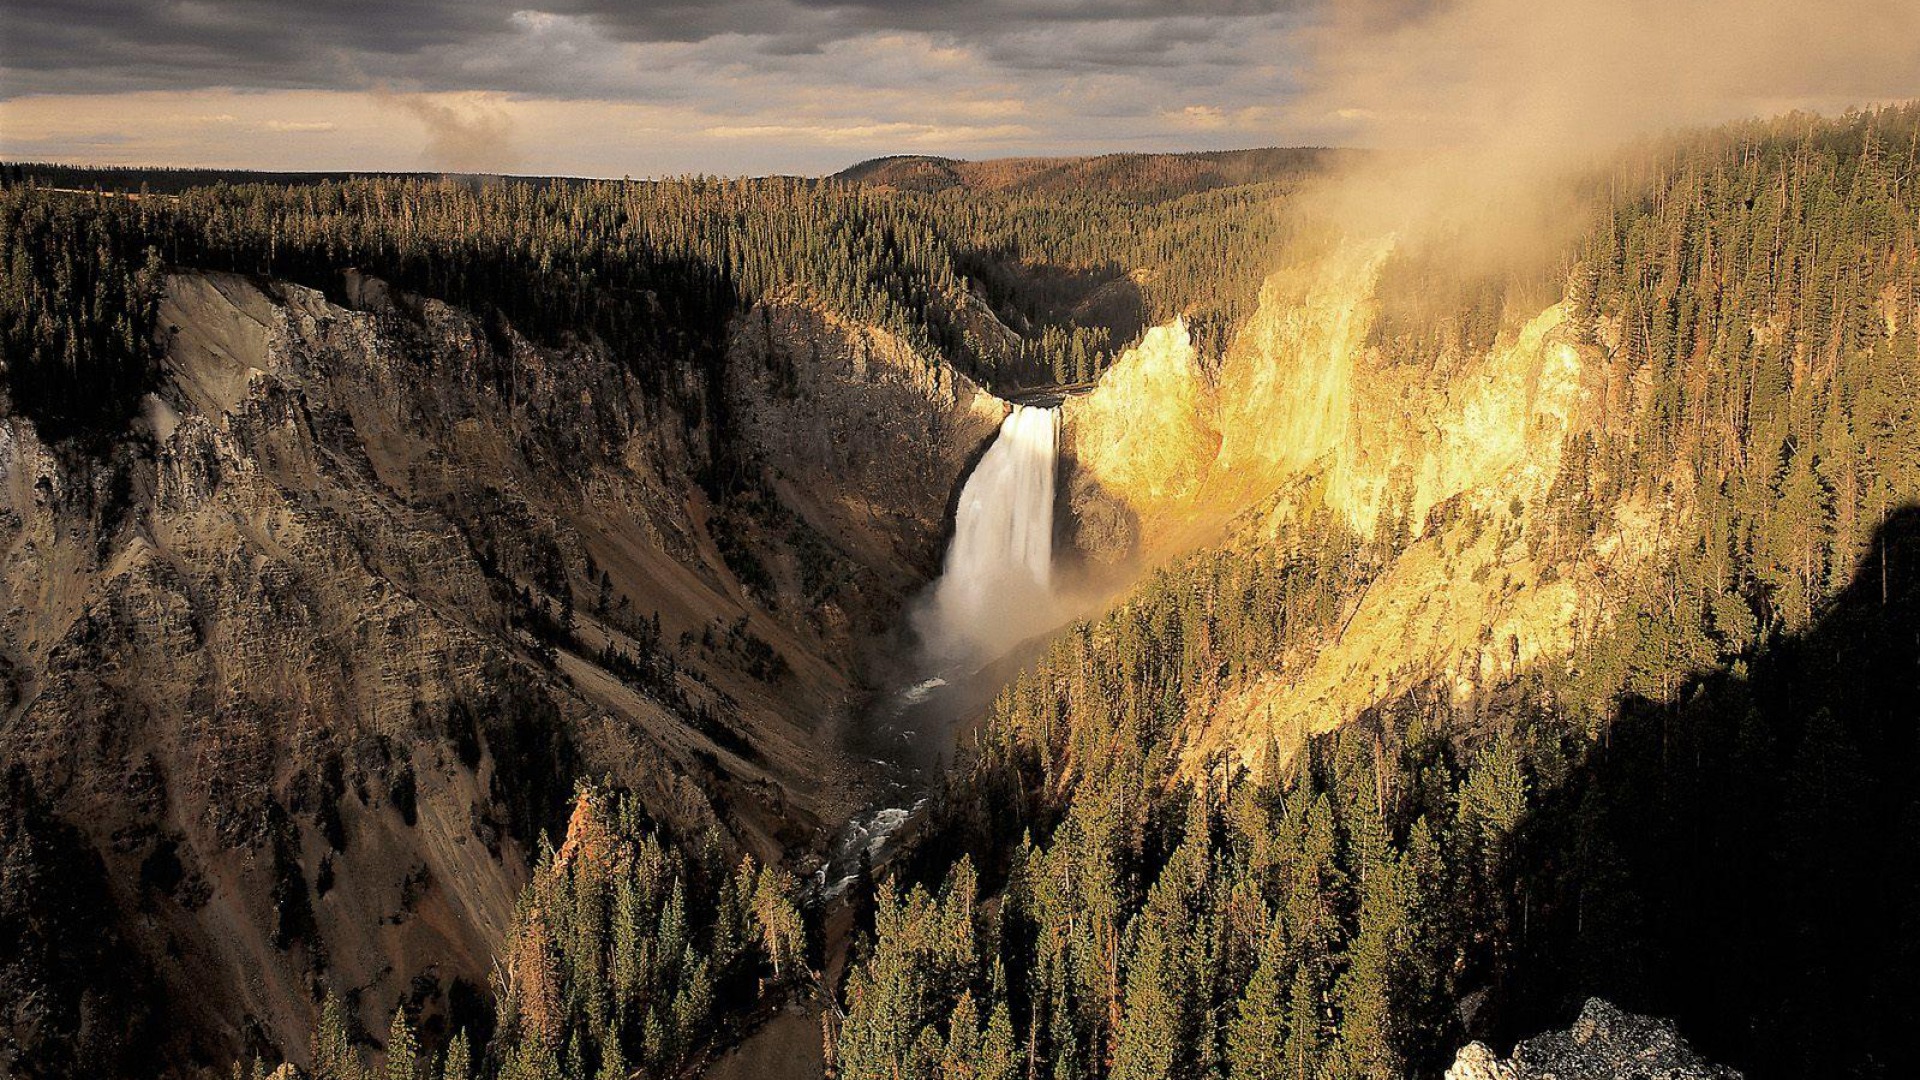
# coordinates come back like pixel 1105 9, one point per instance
pixel 467 133
pixel 1474 106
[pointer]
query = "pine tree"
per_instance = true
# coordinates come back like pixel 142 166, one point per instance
pixel 332 1054
pixel 1000 1057
pixel 403 1049
pixel 1257 1034
pixel 1304 1045
pixel 782 931
pixel 459 1059
pixel 613 1059
pixel 961 1058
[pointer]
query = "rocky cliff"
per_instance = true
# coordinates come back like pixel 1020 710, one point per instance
pixel 864 435
pixel 1440 459
pixel 312 659
pixel 1139 448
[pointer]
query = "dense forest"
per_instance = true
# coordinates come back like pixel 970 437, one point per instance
pixel 1708 812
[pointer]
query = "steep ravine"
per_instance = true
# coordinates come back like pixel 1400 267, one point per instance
pixel 311 658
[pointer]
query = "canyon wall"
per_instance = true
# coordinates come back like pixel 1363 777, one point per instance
pixel 864 435
pixel 310 661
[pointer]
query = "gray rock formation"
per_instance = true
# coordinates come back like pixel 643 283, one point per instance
pixel 865 436
pixel 1603 1044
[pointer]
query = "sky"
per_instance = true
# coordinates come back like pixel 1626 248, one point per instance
pixel 669 87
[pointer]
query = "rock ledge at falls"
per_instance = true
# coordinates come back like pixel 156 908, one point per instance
pixel 1604 1043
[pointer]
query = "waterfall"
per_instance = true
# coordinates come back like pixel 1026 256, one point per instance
pixel 996 588
pixel 995 591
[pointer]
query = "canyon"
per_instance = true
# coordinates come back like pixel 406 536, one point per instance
pixel 967 645
pixel 328 659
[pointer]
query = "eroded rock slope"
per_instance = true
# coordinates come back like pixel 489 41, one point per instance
pixel 307 664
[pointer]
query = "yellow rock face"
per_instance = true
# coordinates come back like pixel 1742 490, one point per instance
pixel 1147 434
pixel 1287 396
pixel 1300 392
pixel 1489 429
pixel 1302 404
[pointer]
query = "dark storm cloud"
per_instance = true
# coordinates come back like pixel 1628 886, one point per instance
pixel 91 46
pixel 116 45
pixel 651 87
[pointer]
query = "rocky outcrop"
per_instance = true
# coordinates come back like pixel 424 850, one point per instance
pixel 865 435
pixel 1140 446
pixel 1603 1044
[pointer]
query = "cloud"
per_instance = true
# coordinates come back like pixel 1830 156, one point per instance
pixel 648 87
pixel 76 46
pixel 891 132
pixel 1251 119
pixel 819 80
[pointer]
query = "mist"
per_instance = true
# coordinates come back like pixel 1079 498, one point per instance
pixel 1543 81
pixel 1480 111
pixel 470 134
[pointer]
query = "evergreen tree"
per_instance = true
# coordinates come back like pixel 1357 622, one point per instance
pixel 1257 1034
pixel 332 1054
pixel 403 1049
pixel 458 1064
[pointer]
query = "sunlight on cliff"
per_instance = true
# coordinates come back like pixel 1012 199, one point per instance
pixel 1287 384
pixel 1491 431
pixel 1452 454
pixel 1148 433
pixel 1300 392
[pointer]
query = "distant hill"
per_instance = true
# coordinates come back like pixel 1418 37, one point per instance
pixel 164 181
pixel 1150 175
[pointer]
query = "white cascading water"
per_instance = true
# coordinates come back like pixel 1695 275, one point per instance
pixel 996 589
pixel 995 592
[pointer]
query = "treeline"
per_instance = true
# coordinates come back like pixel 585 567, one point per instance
pixel 507 253
pixel 650 270
pixel 160 180
pixel 631 953
pixel 1708 812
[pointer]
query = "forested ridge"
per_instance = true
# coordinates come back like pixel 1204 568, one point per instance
pixel 652 269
